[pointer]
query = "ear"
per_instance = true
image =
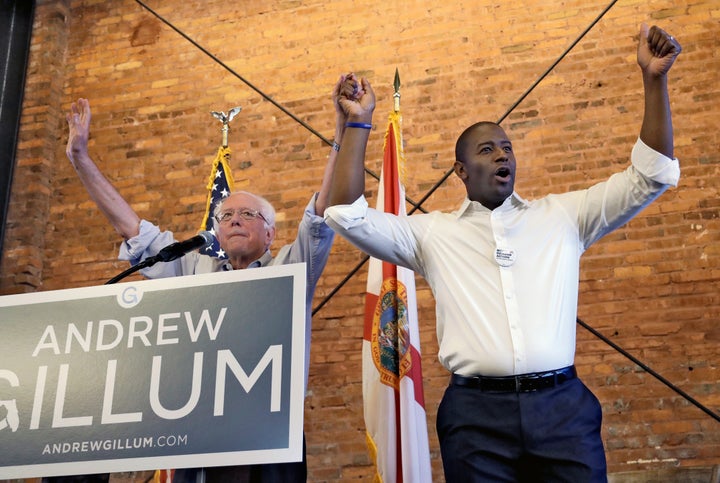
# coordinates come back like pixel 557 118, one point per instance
pixel 269 236
pixel 459 169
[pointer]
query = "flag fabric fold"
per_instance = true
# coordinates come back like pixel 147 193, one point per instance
pixel 220 184
pixel 394 406
pixel 163 476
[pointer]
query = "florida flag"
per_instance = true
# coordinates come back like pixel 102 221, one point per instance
pixel 394 404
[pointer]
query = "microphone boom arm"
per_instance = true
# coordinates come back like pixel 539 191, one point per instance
pixel 148 262
pixel 171 252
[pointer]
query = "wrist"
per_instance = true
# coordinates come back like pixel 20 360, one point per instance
pixel 361 118
pixel 359 125
pixel 654 77
pixel 77 156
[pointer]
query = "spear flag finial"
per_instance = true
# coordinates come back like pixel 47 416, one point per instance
pixel 396 96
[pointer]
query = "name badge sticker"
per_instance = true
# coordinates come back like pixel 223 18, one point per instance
pixel 504 257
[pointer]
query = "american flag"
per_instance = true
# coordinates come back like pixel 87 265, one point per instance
pixel 220 184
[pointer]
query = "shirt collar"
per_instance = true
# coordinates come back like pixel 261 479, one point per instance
pixel 263 261
pixel 512 201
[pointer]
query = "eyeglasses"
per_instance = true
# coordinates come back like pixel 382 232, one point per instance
pixel 245 214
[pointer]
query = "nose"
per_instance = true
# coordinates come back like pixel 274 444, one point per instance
pixel 236 218
pixel 500 154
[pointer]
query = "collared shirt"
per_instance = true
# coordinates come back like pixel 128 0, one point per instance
pixel 311 246
pixel 505 281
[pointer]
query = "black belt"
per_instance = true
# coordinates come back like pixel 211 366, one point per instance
pixel 520 383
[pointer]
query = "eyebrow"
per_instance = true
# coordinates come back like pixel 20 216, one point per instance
pixel 504 142
pixel 227 208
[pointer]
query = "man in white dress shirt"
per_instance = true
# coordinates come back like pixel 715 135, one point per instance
pixel 504 272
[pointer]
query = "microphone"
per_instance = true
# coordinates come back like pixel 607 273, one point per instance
pixel 176 250
pixel 171 252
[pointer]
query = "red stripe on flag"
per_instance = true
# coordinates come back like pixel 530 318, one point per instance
pixel 415 375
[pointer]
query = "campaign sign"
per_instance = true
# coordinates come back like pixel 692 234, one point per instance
pixel 202 370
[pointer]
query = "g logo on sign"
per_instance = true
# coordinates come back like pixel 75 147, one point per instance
pixel 129 297
pixel 12 418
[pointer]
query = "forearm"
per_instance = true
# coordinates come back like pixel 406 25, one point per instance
pixel 657 51
pixel 657 129
pixel 357 99
pixel 321 202
pixel 348 181
pixel 108 200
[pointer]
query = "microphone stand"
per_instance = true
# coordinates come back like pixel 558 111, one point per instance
pixel 148 262
pixel 169 253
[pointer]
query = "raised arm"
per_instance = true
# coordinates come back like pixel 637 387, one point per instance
pixel 657 51
pixel 321 202
pixel 122 217
pixel 357 100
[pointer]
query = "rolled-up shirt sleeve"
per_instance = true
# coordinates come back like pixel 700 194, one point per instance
pixel 142 245
pixel 609 204
pixel 655 165
pixel 146 244
pixel 346 217
pixel 381 235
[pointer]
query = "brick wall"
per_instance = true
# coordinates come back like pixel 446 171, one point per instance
pixel 652 287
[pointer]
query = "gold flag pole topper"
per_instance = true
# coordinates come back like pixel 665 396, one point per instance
pixel 395 119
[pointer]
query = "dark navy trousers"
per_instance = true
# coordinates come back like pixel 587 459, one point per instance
pixel 549 435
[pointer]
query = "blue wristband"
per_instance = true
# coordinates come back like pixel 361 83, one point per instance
pixel 361 125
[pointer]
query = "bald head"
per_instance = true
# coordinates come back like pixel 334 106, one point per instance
pixel 464 140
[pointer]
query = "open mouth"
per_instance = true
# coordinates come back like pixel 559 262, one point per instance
pixel 503 174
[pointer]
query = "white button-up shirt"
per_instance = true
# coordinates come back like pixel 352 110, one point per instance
pixel 505 281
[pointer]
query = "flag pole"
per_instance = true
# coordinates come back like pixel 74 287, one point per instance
pixel 393 399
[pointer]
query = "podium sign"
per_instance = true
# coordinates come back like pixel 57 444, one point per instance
pixel 202 370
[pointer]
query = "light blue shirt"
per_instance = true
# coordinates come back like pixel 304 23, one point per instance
pixel 311 246
pixel 505 281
